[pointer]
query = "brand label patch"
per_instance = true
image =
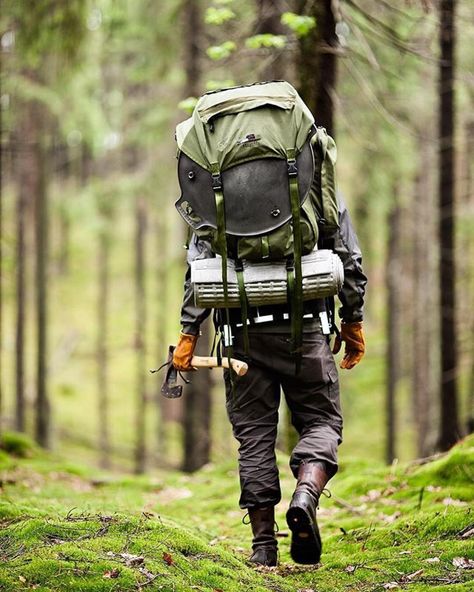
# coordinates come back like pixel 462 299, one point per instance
pixel 249 138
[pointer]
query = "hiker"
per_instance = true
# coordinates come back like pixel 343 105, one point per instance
pixel 274 171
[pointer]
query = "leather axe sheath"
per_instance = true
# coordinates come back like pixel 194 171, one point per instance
pixel 172 390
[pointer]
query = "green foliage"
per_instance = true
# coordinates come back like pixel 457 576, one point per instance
pixel 17 444
pixel 188 104
pixel 47 28
pixel 266 40
pixel 300 25
pixel 220 52
pixel 219 84
pixel 218 16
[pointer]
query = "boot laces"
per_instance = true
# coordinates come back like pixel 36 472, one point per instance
pixel 246 521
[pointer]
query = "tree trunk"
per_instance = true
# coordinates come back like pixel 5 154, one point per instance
pixel 269 21
pixel 449 429
pixel 64 223
pixel 41 279
pixel 162 317
pixel 198 402
pixel 469 199
pixel 102 352
pixel 393 274
pixel 197 411
pixel 423 301
pixel 26 185
pixel 140 338
pixel 318 62
pixel 3 145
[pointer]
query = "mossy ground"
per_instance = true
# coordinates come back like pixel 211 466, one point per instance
pixel 63 528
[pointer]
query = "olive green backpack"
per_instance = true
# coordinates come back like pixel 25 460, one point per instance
pixel 257 181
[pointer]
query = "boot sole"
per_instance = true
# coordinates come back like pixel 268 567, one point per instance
pixel 306 543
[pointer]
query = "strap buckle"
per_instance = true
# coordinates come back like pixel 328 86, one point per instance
pixel 216 181
pixel 292 168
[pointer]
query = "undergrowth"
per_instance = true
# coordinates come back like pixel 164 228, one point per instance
pixel 62 528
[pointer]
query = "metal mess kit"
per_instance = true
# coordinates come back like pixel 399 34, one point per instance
pixel 265 282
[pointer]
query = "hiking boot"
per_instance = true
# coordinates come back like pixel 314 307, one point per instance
pixel 264 543
pixel 306 543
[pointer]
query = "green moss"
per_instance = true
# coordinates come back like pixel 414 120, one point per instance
pixel 61 528
pixel 17 444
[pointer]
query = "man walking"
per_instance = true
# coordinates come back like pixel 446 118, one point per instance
pixel 312 395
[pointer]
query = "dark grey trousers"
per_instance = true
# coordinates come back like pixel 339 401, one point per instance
pixel 312 397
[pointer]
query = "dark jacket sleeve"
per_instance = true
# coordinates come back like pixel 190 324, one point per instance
pixel 347 247
pixel 191 315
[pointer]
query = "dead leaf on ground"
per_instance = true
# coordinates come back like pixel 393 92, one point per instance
pixel 412 576
pixel 172 494
pixel 390 585
pixel 389 518
pixel 467 533
pixel 168 559
pixel 111 574
pixel 22 579
pixel 132 560
pixel 350 569
pixel 449 501
pixel 463 562
pixel 371 496
pixel 405 553
pixel 433 560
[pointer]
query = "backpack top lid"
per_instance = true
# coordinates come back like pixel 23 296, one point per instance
pixel 236 125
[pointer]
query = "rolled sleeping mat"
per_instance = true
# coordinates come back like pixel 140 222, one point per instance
pixel 266 282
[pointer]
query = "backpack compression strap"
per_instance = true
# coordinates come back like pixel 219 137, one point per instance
pixel 222 246
pixel 295 281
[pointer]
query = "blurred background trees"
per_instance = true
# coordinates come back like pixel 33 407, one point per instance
pixel 91 257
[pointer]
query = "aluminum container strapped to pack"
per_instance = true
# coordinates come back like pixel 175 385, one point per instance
pixel 266 282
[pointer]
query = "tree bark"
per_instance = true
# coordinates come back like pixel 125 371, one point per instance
pixel 26 184
pixel 140 338
pixel 318 62
pixel 269 21
pixel 102 351
pixel 197 411
pixel 423 328
pixel 469 197
pixel 162 347
pixel 198 403
pixel 41 279
pixel 2 148
pixel 393 274
pixel 449 429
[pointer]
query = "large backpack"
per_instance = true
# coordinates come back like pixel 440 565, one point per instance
pixel 257 181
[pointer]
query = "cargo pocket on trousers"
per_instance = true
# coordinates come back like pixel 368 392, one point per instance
pixel 333 375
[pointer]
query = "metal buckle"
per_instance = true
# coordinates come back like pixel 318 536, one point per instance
pixel 292 168
pixel 216 181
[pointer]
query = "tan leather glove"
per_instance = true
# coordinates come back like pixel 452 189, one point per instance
pixel 353 336
pixel 183 353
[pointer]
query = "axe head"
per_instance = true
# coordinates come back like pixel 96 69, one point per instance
pixel 170 389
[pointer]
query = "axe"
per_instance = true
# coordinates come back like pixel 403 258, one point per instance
pixel 172 390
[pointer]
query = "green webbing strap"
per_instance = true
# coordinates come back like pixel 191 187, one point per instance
pixel 265 247
pixel 243 304
pixel 296 291
pixel 222 247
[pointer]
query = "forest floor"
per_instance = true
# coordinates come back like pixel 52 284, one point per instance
pixel 63 527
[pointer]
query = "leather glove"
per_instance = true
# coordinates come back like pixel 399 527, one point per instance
pixel 353 336
pixel 183 353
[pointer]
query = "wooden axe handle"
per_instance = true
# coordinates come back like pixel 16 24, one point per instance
pixel 239 367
